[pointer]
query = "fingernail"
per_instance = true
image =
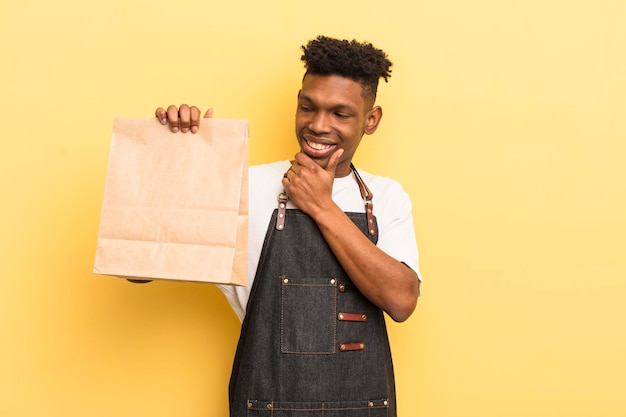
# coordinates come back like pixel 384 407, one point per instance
pixel 194 129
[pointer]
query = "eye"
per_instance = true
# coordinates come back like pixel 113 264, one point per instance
pixel 342 115
pixel 305 108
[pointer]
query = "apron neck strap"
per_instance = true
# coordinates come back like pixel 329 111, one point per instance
pixel 367 197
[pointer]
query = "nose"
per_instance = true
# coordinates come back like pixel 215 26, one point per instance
pixel 319 123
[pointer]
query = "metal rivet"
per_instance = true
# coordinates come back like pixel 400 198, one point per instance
pixel 249 404
pixel 340 316
pixel 364 316
pixel 286 280
pixel 282 205
pixel 372 231
pixel 386 402
pixel 269 406
pixel 370 404
pixel 280 227
pixel 281 215
pixel 362 345
pixel 342 347
pixel 342 287
pixel 332 281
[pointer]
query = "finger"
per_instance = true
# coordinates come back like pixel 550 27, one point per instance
pixel 295 166
pixel 286 179
pixel 172 118
pixel 195 118
pixel 184 113
pixel 161 114
pixel 334 161
pixel 139 281
pixel 303 160
pixel 208 114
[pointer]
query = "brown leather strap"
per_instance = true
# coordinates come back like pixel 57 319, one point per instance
pixel 282 205
pixel 352 317
pixel 367 196
pixel 346 347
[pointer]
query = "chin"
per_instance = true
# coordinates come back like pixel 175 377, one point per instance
pixel 321 162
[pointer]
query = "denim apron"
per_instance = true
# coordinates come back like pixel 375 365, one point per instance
pixel 311 344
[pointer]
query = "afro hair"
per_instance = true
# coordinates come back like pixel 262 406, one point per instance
pixel 360 62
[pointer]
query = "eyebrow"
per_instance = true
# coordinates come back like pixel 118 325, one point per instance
pixel 338 106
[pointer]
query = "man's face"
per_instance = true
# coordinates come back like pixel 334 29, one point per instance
pixel 333 114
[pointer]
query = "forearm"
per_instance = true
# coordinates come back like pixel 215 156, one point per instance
pixel 386 282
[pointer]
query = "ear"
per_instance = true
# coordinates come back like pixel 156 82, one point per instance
pixel 372 119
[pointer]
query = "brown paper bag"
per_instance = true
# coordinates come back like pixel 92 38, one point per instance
pixel 175 205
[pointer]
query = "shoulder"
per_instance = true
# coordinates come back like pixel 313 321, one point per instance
pixel 384 188
pixel 392 204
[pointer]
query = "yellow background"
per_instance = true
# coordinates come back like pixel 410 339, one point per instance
pixel 503 119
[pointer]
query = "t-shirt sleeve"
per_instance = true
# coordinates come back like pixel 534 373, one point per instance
pixel 396 229
pixel 237 298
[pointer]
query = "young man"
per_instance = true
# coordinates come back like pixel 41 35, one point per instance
pixel 326 255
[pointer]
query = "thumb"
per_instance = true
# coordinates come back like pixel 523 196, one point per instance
pixel 334 161
pixel 208 114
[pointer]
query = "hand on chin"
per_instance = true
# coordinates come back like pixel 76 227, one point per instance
pixel 321 161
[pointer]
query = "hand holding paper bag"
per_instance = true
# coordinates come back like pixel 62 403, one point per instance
pixel 175 207
pixel 186 118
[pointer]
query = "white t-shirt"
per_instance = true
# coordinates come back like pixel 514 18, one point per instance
pixel 392 208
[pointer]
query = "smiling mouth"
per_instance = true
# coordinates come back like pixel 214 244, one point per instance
pixel 318 146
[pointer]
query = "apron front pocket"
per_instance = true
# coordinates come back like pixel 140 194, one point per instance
pixel 368 408
pixel 308 322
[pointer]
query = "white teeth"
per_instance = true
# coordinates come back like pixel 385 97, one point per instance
pixel 318 146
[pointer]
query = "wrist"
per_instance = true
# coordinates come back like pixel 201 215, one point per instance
pixel 325 215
